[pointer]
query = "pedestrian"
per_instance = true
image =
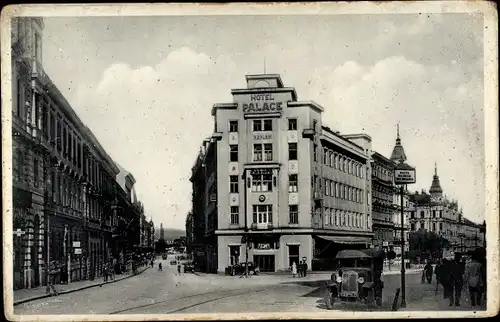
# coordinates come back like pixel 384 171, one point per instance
pixel 456 274
pixel 428 271
pixel 105 272
pixel 52 279
pixel 160 268
pixel 294 269
pixel 299 269
pixel 474 280
pixel 437 272
pixel 305 268
pixel 179 268
pixel 445 278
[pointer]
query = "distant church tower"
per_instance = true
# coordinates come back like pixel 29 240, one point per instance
pixel 398 153
pixel 162 232
pixel 436 191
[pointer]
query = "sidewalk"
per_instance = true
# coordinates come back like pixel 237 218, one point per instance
pixel 27 295
pixel 439 303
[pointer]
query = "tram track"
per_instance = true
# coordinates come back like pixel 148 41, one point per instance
pixel 219 295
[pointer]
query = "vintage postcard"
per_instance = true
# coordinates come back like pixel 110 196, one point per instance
pixel 250 161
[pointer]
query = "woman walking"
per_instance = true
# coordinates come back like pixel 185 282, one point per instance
pixel 294 269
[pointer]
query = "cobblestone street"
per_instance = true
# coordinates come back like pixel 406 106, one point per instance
pixel 155 292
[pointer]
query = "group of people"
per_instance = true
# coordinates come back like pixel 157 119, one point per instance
pixel 299 270
pixel 454 274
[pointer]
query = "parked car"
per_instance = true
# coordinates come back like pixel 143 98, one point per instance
pixel 164 256
pixel 188 266
pixel 240 268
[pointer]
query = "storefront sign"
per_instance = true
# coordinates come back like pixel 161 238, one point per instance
pixel 262 103
pixel 263 246
pixel 404 176
pixel 78 251
pixel 76 244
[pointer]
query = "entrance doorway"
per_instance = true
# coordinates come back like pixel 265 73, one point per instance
pixel 264 262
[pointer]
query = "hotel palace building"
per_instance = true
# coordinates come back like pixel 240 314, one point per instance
pixel 274 183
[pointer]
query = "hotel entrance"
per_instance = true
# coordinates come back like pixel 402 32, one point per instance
pixel 265 262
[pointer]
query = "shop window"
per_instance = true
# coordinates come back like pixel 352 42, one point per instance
pixel 234 252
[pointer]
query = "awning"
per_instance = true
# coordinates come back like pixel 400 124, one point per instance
pixel 347 239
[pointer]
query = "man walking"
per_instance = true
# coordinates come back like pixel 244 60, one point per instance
pixel 52 279
pixel 457 278
pixel 474 280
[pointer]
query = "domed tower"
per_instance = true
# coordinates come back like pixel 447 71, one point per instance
pixel 436 191
pixel 398 153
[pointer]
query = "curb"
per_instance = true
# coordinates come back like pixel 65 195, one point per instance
pixel 38 297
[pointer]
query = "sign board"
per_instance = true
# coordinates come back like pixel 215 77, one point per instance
pixel 404 174
pixel 263 246
pixel 262 103
pixel 78 251
pixel 385 244
pixel 76 244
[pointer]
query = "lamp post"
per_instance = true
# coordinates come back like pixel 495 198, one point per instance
pixel 403 175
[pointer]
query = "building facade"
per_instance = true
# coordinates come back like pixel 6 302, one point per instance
pixel 64 192
pixel 274 185
pixel 434 212
pixel 405 225
pixel 383 191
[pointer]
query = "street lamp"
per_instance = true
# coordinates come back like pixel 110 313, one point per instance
pixel 403 175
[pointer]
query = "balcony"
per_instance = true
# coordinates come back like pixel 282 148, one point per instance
pixel 262 226
pixel 308 133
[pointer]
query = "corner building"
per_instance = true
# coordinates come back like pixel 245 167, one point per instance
pixel 273 175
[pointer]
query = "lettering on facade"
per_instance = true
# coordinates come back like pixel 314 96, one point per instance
pixel 262 103
pixel 258 137
pixel 263 246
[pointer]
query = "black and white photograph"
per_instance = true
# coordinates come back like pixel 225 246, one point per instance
pixel 313 160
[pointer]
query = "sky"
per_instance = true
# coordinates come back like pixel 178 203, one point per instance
pixel 145 87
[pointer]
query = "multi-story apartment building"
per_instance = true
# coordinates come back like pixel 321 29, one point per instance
pixel 434 212
pixel 63 180
pixel 382 200
pixel 273 178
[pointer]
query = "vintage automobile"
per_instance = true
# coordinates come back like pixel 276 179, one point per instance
pixel 358 278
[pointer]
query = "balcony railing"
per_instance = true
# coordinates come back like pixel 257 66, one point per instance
pixel 262 226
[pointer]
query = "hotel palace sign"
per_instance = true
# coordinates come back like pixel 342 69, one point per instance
pixel 262 103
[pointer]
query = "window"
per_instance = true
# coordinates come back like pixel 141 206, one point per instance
pixel 268 125
pixel 233 184
pixel 233 126
pixel 235 215
pixel 262 182
pixel 262 125
pixel 346 196
pixel 422 225
pixel 433 226
pixel 315 125
pixel 361 171
pixel 325 156
pixel 292 124
pixel 262 214
pixel 434 214
pixel 349 167
pixel 293 211
pixel 293 183
pixel 315 152
pixel 292 151
pixel 422 214
pixel 257 125
pixel 332 188
pixel 412 227
pixel 345 165
pixel 36 177
pixel 441 226
pixel 20 91
pixel 440 214
pixel 70 149
pixel 293 255
pixel 337 190
pixel 341 191
pixel 268 152
pixel 332 159
pixel 64 141
pixel 257 152
pixel 233 153
pixel 20 165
